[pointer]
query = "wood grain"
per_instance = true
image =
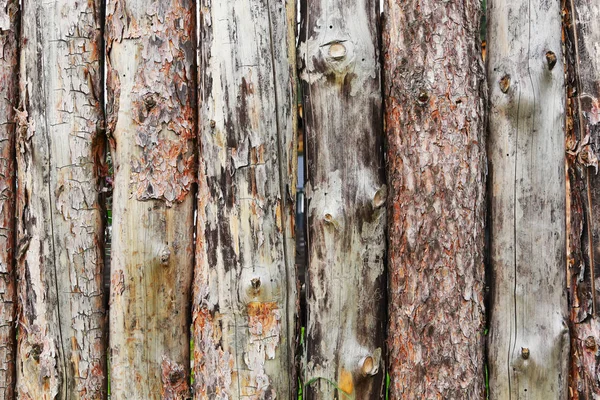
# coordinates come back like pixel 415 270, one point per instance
pixel 244 315
pixel 346 197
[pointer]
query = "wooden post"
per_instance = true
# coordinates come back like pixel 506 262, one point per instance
pixel 528 340
pixel 244 288
pixel 61 337
pixel 151 122
pixel 583 194
pixel 435 105
pixel 9 30
pixel 346 197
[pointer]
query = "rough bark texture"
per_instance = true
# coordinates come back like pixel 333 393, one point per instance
pixel 9 30
pixel 529 341
pixel 244 288
pixel 346 196
pixel 435 102
pixel 151 114
pixel 61 338
pixel 582 40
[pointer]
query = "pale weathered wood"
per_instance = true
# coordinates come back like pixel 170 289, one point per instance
pixel 244 289
pixel 9 29
pixel 528 340
pixel 151 122
pixel 582 46
pixel 61 337
pixel 435 104
pixel 346 196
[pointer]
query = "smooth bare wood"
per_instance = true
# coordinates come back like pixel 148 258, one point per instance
pixel 244 288
pixel 435 98
pixel 61 337
pixel 151 113
pixel 528 339
pixel 9 30
pixel 346 196
pixel 582 44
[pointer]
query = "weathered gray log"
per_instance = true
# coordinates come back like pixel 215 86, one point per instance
pixel 346 196
pixel 9 30
pixel 244 289
pixel 61 337
pixel 435 103
pixel 151 122
pixel 582 45
pixel 528 340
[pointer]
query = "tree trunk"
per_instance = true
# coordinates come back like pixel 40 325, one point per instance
pixel 244 289
pixel 529 341
pixel 346 196
pixel 61 338
pixel 435 103
pixel 583 194
pixel 9 29
pixel 151 114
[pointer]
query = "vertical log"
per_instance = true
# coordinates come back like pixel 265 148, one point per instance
pixel 529 341
pixel 435 102
pixel 582 45
pixel 61 339
pixel 244 289
pixel 346 195
pixel 151 123
pixel 9 30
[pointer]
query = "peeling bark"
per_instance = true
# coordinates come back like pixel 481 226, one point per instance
pixel 151 125
pixel 435 103
pixel 346 195
pixel 582 40
pixel 9 30
pixel 244 288
pixel 528 341
pixel 61 339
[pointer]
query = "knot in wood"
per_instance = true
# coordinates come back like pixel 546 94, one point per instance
pixel 504 83
pixel 590 343
pixel 149 103
pixel 337 51
pixel 380 197
pixel 369 365
pixel 176 376
pixel 255 283
pixel 164 257
pixel 524 353
pixel 550 59
pixel 423 97
pixel 36 350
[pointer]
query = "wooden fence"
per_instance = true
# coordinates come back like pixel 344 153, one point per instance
pixel 450 215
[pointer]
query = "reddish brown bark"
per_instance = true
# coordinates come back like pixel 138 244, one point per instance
pixel 434 100
pixel 582 37
pixel 8 102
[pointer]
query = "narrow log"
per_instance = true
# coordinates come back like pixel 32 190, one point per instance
pixel 61 337
pixel 435 120
pixel 529 340
pixel 244 288
pixel 346 197
pixel 151 125
pixel 9 30
pixel 582 41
